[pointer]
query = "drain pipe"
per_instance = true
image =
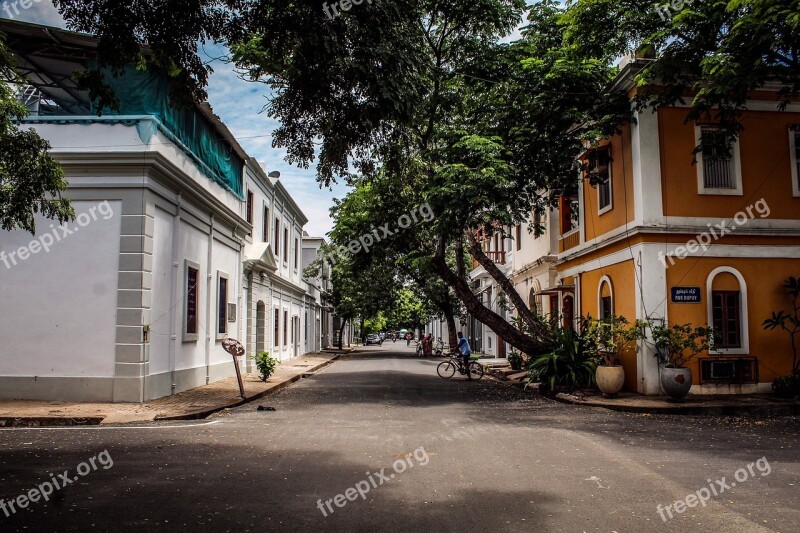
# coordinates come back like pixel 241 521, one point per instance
pixel 173 301
pixel 209 307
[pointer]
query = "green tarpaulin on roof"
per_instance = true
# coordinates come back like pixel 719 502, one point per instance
pixel 147 93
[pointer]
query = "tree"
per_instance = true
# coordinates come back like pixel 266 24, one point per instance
pixel 31 181
pixel 375 324
pixel 495 140
pixel 715 51
pixel 354 294
pixel 167 34
pixel 408 310
pixel 418 97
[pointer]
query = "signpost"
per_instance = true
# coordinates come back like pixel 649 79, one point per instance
pixel 686 295
pixel 235 348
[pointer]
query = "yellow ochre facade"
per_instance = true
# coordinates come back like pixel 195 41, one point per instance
pixel 663 236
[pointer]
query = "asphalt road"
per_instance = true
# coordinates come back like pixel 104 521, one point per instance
pixel 426 454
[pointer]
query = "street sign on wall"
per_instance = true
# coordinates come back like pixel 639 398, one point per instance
pixel 686 295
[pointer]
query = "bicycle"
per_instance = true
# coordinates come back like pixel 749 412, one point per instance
pixel 447 369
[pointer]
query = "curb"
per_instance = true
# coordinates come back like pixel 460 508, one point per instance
pixel 48 421
pixel 199 415
pixel 790 409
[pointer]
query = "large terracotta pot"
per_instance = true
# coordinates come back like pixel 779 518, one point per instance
pixel 676 382
pixel 610 380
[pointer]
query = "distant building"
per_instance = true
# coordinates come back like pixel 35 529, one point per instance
pixel 181 240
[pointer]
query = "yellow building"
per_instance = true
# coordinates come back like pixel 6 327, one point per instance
pixel 662 237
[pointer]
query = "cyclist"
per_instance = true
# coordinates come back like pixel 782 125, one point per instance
pixel 466 352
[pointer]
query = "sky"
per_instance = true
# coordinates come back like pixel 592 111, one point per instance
pixel 239 104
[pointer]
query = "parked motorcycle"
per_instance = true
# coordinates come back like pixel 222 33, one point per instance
pixel 438 348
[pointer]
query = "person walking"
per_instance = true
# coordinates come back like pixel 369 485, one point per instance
pixel 466 352
pixel 427 345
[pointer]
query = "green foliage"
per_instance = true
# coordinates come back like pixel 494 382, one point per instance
pixel 375 324
pixel 173 32
pixel 787 386
pixel 788 322
pixel 570 363
pixel 266 365
pixel 677 345
pixel 721 50
pixel 613 336
pixel 516 359
pixel 408 311
pixel 31 181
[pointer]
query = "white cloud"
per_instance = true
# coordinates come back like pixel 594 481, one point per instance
pixel 40 12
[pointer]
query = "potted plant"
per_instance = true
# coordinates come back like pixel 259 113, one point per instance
pixel 676 346
pixel 516 359
pixel 266 365
pixel 613 336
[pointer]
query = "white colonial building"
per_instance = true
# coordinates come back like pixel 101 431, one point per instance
pixel 181 240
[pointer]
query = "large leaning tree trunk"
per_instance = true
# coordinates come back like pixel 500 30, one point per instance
pixel 451 329
pixel 531 320
pixel 458 282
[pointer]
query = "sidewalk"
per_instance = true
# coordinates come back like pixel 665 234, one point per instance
pixel 188 405
pixel 693 404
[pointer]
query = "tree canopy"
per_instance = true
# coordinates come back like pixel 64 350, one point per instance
pixel 418 102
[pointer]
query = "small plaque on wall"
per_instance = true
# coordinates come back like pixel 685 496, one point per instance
pixel 686 295
pixel 231 312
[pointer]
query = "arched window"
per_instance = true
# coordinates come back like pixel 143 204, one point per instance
pixel 534 300
pixel 605 298
pixel 726 295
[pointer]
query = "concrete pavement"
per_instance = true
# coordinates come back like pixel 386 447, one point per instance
pixel 466 456
pixel 193 404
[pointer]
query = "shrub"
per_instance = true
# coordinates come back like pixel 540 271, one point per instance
pixel 677 345
pixel 571 362
pixel 266 365
pixel 789 322
pixel 613 336
pixel 787 386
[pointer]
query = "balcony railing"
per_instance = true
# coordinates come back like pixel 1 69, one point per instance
pixel 569 240
pixel 498 257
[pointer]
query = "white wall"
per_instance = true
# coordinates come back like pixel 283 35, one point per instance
pixel 55 320
pixel 162 290
pixel 192 245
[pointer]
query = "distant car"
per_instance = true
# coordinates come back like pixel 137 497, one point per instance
pixel 372 339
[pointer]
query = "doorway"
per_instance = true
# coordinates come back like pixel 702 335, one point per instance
pixel 261 327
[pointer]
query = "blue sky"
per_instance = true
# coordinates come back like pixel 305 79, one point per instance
pixel 239 104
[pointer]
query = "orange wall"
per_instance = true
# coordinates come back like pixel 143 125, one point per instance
pixel 623 281
pixel 621 191
pixel 766 166
pixel 764 278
